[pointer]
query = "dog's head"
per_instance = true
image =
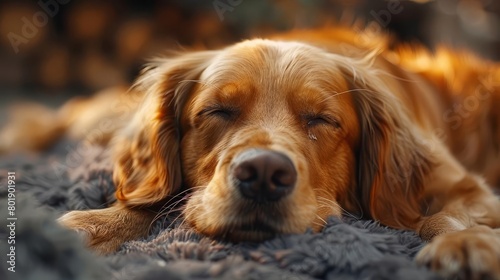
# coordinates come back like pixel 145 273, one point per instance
pixel 270 137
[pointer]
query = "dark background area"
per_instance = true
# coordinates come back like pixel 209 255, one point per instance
pixel 50 50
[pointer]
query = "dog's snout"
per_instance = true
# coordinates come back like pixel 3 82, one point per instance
pixel 264 175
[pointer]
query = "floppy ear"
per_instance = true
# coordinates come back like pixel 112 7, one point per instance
pixel 147 167
pixel 392 158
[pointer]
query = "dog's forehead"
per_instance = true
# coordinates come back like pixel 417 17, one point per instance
pixel 272 65
pixel 266 44
pixel 254 58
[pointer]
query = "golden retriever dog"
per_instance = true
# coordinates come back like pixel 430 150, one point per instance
pixel 273 136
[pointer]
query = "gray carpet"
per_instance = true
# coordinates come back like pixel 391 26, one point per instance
pixel 69 178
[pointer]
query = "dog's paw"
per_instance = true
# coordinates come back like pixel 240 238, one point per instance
pixel 95 230
pixel 467 254
pixel 105 230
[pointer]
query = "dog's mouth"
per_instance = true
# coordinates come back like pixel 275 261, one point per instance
pixel 256 222
pixel 252 232
pixel 243 220
pixel 257 226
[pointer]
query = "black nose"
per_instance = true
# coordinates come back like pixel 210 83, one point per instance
pixel 264 175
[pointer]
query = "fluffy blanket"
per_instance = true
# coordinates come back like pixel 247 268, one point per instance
pixel 73 177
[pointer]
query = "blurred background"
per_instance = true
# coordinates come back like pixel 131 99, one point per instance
pixel 51 50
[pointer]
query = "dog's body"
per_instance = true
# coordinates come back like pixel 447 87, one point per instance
pixel 273 136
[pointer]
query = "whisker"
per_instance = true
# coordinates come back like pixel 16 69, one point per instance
pixel 172 208
pixel 323 220
pixel 165 205
pixel 177 218
pixel 169 208
pixel 354 90
pixel 202 216
pixel 328 203
pixel 396 77
pixel 172 223
pixel 336 94
pixel 204 84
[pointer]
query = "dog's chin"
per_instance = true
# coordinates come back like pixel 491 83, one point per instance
pixel 243 221
pixel 254 232
pixel 237 235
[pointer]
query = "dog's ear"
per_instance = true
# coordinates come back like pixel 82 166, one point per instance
pixel 147 161
pixel 392 158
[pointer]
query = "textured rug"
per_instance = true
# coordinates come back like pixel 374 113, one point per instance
pixel 79 177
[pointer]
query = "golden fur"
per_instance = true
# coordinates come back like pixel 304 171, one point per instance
pixel 396 134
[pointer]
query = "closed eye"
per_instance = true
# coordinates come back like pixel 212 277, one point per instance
pixel 222 112
pixel 316 120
